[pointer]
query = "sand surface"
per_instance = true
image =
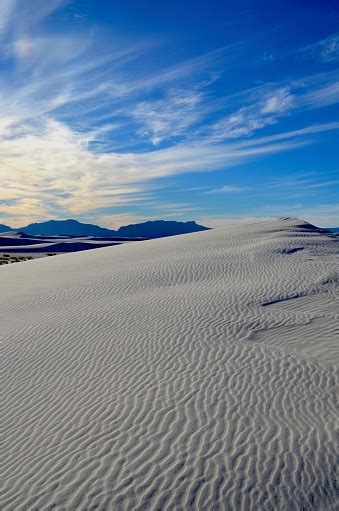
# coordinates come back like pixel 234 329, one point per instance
pixel 40 246
pixel 188 373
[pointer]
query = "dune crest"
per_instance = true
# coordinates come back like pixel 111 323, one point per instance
pixel 194 372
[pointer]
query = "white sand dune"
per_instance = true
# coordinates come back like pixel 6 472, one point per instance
pixel 21 244
pixel 194 372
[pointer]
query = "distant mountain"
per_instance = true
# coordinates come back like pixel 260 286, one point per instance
pixel 333 229
pixel 152 229
pixel 5 228
pixel 67 228
pixel 160 229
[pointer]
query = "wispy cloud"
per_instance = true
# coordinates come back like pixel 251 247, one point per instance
pixel 268 104
pixel 88 123
pixel 168 117
pixel 322 96
pixel 52 165
pixel 277 102
pixel 6 15
pixel 228 189
pixel 330 48
pixel 327 50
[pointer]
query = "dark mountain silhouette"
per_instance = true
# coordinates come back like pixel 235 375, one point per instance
pixel 333 229
pixel 160 229
pixel 5 228
pixel 152 229
pixel 66 228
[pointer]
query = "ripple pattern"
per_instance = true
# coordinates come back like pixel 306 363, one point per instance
pixel 189 373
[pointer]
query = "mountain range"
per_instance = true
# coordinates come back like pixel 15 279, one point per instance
pixel 5 228
pixel 151 229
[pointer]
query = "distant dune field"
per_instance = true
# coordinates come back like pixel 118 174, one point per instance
pixel 20 244
pixel 188 373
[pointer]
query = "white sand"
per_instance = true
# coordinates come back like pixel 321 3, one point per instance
pixel 150 376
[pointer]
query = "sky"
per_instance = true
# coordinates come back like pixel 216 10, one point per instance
pixel 119 112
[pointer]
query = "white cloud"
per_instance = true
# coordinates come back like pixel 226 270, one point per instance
pixel 326 49
pixel 241 123
pixel 330 48
pixel 228 189
pixel 322 96
pixel 168 117
pixel 266 108
pixel 303 181
pixel 266 105
pixel 279 101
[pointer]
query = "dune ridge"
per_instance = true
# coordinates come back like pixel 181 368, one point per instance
pixel 192 372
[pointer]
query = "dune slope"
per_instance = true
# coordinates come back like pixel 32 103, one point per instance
pixel 194 372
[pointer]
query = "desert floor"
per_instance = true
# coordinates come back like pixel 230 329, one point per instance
pixel 188 373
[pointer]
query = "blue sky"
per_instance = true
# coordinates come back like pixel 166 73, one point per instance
pixel 119 112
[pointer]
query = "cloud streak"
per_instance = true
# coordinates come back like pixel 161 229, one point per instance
pixel 81 133
pixel 327 49
pixel 52 167
pixel 228 189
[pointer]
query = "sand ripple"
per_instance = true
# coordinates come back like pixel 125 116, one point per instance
pixel 195 372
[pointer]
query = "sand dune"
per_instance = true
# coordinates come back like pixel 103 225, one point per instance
pixel 194 372
pixel 22 244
